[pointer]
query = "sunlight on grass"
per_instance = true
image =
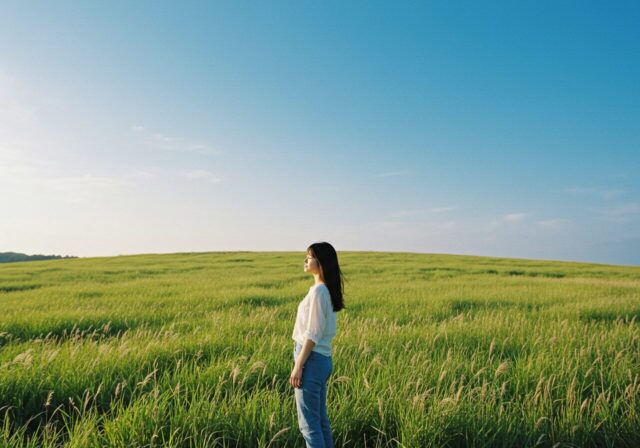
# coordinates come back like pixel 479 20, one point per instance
pixel 195 349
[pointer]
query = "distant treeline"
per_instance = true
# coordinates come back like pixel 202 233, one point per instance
pixel 10 257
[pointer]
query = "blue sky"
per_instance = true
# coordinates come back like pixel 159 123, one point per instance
pixel 503 128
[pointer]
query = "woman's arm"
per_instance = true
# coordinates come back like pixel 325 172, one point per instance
pixel 304 353
pixel 296 374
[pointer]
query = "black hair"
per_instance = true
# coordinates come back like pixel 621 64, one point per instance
pixel 333 278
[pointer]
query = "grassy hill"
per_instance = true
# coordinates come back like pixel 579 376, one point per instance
pixel 195 349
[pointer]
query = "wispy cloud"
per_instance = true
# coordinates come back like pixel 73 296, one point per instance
pixel 620 210
pixel 83 188
pixel 171 143
pixel 147 173
pixel 14 109
pixel 599 192
pixel 392 173
pixel 434 228
pixel 14 159
pixel 421 211
pixel 443 209
pixel 554 224
pixel 406 213
pixel 201 175
pixel 513 218
pixel 157 173
pixel 20 171
pixel 39 178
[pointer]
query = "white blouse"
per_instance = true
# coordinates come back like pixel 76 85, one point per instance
pixel 316 319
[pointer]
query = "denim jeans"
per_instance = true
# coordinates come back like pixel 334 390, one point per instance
pixel 311 399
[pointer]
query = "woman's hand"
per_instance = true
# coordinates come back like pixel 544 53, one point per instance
pixel 296 377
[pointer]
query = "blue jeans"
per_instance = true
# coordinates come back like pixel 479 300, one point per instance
pixel 311 399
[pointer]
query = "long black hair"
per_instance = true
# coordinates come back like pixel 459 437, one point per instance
pixel 328 259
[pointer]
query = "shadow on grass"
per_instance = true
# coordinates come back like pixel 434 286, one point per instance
pixel 610 316
pixel 535 274
pixel 254 301
pixel 62 330
pixel 472 306
pixel 453 272
pixel 15 288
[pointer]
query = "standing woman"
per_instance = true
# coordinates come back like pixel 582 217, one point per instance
pixel 314 329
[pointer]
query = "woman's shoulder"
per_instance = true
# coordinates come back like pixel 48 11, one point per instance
pixel 319 286
pixel 320 289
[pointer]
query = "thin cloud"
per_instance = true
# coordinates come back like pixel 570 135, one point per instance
pixel 420 211
pixel 170 143
pixel 599 192
pixel 443 209
pixel 513 218
pixel 620 210
pixel 392 173
pixel 71 189
pixel 13 106
pixel 15 160
pixel 157 173
pixel 406 213
pixel 85 187
pixel 147 173
pixel 24 173
pixel 201 175
pixel 553 224
pixel 610 194
pixel 418 229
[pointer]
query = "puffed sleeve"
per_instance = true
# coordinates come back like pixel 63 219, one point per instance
pixel 317 317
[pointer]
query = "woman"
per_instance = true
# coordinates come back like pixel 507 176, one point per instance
pixel 314 329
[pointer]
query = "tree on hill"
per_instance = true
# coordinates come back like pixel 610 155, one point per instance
pixel 10 257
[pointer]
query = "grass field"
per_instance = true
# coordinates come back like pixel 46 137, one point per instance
pixel 195 350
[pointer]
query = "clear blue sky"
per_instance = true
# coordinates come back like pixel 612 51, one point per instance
pixel 494 128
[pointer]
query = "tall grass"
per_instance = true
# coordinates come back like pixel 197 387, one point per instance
pixel 195 350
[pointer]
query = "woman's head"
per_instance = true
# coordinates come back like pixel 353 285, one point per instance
pixel 323 260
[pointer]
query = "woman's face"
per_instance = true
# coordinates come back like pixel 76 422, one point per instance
pixel 311 264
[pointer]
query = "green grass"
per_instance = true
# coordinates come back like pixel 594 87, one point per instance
pixel 195 350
